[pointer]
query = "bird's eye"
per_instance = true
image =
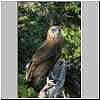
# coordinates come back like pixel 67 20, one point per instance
pixel 53 30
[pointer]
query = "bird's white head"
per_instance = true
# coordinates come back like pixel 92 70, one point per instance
pixel 54 33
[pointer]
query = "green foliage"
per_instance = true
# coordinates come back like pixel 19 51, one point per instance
pixel 34 19
pixel 72 42
pixel 23 90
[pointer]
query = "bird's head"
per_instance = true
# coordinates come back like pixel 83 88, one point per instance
pixel 54 33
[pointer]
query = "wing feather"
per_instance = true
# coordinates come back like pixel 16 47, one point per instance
pixel 45 52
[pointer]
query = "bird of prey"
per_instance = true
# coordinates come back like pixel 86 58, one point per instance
pixel 45 57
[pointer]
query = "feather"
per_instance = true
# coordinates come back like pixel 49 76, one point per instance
pixel 44 58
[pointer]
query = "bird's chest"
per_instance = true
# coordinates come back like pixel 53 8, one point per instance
pixel 44 66
pixel 42 70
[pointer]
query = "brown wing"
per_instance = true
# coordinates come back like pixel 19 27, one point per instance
pixel 44 53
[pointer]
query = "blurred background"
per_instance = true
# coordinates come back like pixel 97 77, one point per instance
pixel 34 20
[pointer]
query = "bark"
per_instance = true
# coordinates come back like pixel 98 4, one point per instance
pixel 62 81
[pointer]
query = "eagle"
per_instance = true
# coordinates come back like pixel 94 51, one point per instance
pixel 45 57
